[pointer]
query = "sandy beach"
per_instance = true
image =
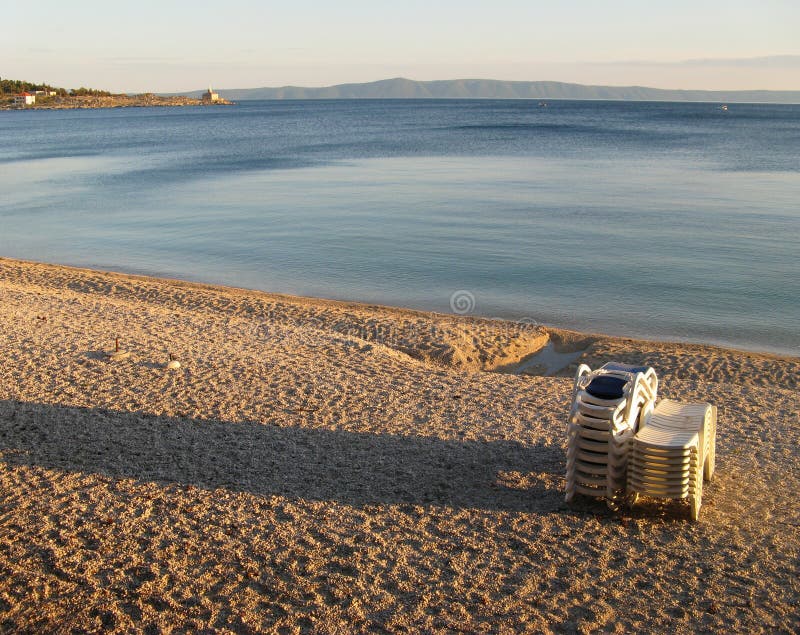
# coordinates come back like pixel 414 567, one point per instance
pixel 328 467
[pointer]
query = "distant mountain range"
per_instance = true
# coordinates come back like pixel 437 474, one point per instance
pixel 400 88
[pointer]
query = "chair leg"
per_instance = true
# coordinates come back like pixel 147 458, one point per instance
pixel 709 465
pixel 710 460
pixel 696 498
pixel 694 504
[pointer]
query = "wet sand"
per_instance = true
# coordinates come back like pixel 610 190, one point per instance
pixel 318 466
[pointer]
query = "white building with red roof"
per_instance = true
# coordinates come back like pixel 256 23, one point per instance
pixel 24 99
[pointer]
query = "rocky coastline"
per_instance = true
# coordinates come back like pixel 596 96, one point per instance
pixel 113 101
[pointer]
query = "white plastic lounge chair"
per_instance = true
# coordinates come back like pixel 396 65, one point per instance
pixel 673 451
pixel 607 406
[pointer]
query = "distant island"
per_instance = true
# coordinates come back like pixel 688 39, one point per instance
pixel 401 88
pixel 18 94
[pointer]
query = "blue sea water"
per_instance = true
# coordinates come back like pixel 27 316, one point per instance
pixel 661 220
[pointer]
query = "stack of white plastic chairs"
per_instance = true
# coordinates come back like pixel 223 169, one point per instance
pixel 608 406
pixel 673 452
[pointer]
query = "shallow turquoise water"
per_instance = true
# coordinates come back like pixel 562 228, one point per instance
pixel 651 219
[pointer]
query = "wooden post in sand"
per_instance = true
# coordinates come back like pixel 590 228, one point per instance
pixel 118 355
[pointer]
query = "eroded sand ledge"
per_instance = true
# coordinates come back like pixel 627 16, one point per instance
pixel 327 466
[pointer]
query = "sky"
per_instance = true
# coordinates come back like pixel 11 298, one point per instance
pixel 177 45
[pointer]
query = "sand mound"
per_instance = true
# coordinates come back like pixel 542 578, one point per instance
pixel 458 342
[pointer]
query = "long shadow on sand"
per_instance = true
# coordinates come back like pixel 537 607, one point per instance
pixel 317 464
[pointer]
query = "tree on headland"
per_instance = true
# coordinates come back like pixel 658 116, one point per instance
pixel 16 86
pixel 89 92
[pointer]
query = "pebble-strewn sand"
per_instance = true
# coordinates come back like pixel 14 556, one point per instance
pixel 326 467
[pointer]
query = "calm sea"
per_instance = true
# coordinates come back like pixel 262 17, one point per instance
pixel 663 220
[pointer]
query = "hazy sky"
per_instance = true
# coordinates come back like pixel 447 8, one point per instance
pixel 174 45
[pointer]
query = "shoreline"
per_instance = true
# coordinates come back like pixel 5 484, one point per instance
pixel 115 101
pixel 574 333
pixel 322 466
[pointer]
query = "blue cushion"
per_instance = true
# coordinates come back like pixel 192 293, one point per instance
pixel 605 387
pixel 626 368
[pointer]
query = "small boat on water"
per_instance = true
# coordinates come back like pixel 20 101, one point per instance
pixel 543 104
pixel 723 107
